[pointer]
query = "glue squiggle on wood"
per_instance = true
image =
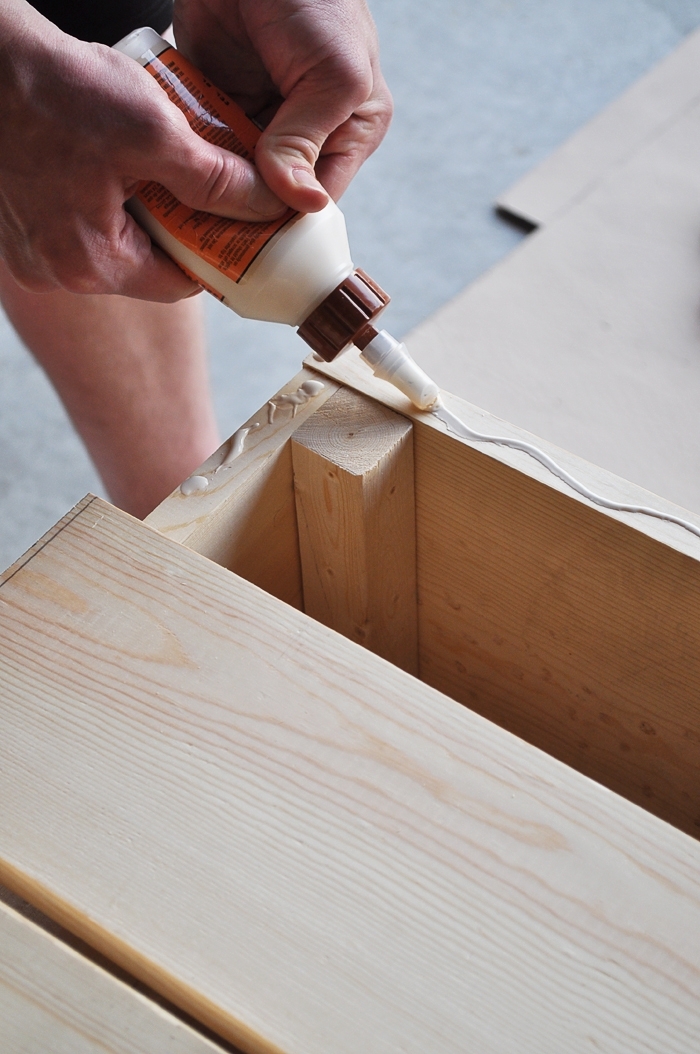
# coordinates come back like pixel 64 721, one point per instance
pixel 304 392
pixel 193 485
pixel 237 443
pixel 459 428
pixel 198 483
pixel 308 390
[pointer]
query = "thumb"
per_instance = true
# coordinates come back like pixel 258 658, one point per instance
pixel 209 178
pixel 289 147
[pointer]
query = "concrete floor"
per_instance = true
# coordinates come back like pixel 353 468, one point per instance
pixel 484 89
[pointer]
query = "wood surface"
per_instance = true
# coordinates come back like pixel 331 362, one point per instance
pixel 246 519
pixel 588 333
pixel 306 847
pixel 55 1001
pixel 611 137
pixel 353 481
pixel 576 628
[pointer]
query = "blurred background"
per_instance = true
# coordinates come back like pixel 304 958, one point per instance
pixel 484 89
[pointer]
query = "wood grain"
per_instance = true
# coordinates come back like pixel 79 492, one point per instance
pixel 306 847
pixel 246 519
pixel 353 480
pixel 571 626
pixel 54 1001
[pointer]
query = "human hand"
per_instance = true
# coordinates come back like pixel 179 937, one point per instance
pixel 313 65
pixel 80 126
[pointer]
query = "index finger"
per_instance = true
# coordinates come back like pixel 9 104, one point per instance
pixel 318 106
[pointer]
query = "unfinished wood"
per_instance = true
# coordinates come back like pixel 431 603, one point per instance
pixel 612 137
pixel 307 847
pixel 32 914
pixel 246 520
pixel 574 627
pixel 588 333
pixel 54 1001
pixel 352 372
pixel 353 480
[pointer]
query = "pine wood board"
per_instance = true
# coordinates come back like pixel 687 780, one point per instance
pixel 246 519
pixel 575 628
pixel 355 497
pixel 55 1001
pixel 350 370
pixel 610 138
pixel 305 847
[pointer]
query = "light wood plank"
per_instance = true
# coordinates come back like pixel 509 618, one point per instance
pixel 54 1001
pixel 350 370
pixel 303 845
pixel 353 480
pixel 611 137
pixel 574 627
pixel 245 520
pixel 588 333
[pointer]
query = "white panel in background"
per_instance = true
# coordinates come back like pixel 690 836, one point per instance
pixel 589 333
pixel 613 136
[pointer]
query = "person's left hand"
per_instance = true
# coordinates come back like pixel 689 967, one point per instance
pixel 310 68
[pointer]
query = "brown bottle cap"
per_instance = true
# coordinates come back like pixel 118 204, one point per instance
pixel 345 316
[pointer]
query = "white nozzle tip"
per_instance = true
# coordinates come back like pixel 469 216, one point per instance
pixel 390 361
pixel 429 397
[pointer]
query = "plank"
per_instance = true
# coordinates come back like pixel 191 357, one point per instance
pixel 612 137
pixel 245 519
pixel 351 371
pixel 353 480
pixel 307 848
pixel 54 1000
pixel 587 334
pixel 571 626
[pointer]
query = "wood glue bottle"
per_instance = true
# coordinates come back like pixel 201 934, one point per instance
pixel 295 269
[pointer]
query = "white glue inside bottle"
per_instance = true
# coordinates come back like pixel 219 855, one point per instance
pixel 296 269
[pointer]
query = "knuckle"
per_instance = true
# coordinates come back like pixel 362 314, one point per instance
pixel 352 78
pixel 167 124
pixel 217 178
pixel 157 130
pixel 91 265
pixel 223 179
pixel 385 108
pixel 293 147
pixel 373 119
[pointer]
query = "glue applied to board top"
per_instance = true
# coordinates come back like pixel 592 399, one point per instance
pixel 458 427
pixel 306 391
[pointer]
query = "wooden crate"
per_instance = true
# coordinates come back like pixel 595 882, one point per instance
pixel 312 840
pixel 576 628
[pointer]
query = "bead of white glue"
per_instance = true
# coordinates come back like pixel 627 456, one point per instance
pixel 390 361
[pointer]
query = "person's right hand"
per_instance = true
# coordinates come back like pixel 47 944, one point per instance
pixel 80 126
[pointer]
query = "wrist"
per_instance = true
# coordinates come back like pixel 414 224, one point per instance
pixel 26 38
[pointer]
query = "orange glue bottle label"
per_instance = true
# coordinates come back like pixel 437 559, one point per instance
pixel 228 245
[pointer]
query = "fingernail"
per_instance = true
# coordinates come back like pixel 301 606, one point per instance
pixel 305 178
pixel 264 202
